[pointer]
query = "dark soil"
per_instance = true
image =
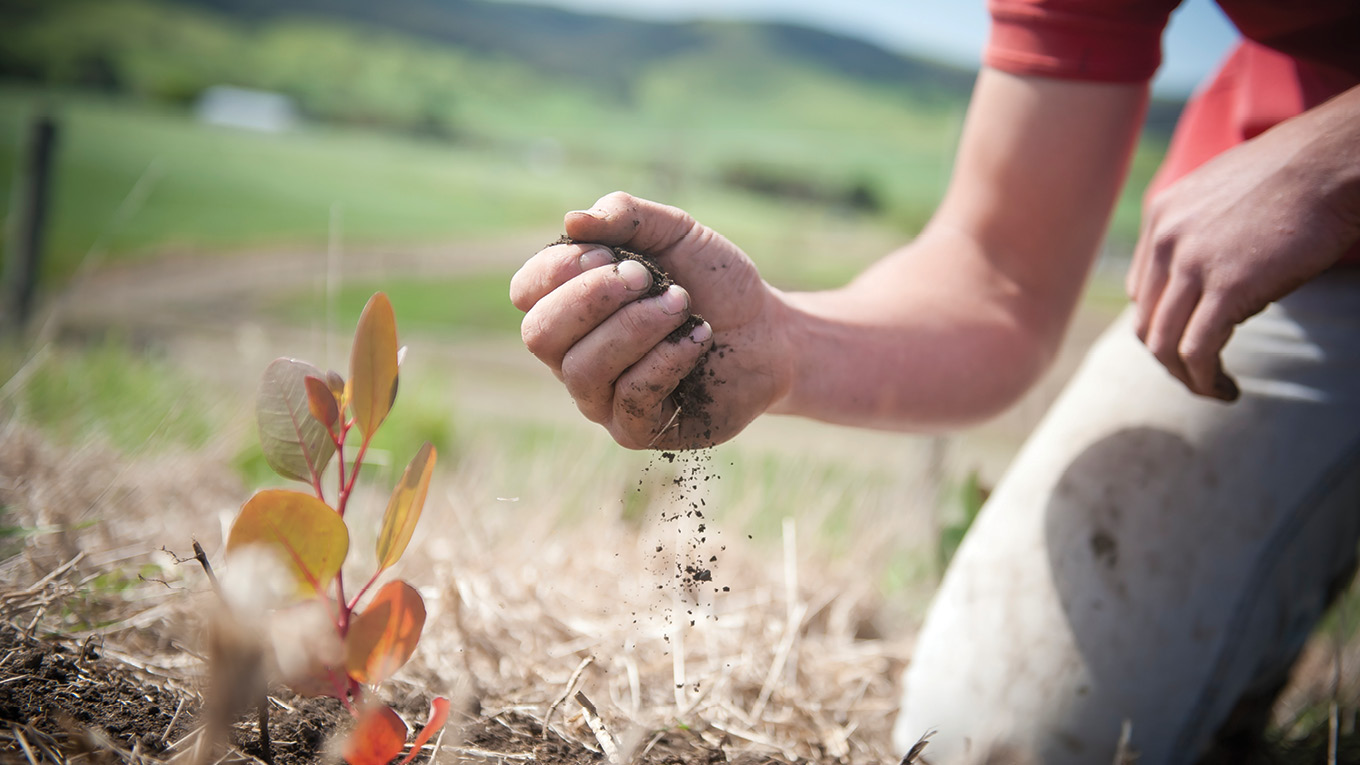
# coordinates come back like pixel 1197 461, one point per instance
pixel 691 396
pixel 69 703
pixel 75 702
pixel 515 737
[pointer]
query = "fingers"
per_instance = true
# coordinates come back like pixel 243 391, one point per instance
pixel 622 219
pixel 1182 324
pixel 559 319
pixel 591 366
pixel 552 267
pixel 642 408
pixel 1167 324
pixel 1201 349
pixel 1153 266
pixel 1186 331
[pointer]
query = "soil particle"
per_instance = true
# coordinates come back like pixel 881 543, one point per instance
pixel 691 396
pixel 80 702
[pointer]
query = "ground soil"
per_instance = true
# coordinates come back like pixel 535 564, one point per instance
pixel 62 699
pixel 71 699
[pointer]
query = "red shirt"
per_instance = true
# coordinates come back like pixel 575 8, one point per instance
pixel 1295 55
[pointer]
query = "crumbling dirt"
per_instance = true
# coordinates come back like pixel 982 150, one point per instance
pixel 60 702
pixel 691 396
pixel 70 697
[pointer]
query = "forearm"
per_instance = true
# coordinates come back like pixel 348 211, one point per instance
pixel 956 326
pixel 1330 136
pixel 930 338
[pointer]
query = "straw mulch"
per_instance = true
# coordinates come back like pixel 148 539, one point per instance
pixel 590 640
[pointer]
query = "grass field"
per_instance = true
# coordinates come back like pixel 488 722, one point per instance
pixel 134 180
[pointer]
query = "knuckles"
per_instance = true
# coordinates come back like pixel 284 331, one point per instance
pixel 537 336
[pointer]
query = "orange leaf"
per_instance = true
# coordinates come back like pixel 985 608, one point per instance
pixel 294 444
pixel 439 714
pixel 321 401
pixel 373 364
pixel 308 536
pixel 382 638
pixel 338 389
pixel 377 737
pixel 403 509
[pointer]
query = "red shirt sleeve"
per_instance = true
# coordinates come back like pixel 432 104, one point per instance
pixel 1100 40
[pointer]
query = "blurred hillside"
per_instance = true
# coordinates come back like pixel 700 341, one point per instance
pixel 761 123
pixel 425 53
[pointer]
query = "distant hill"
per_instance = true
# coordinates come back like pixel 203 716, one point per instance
pixel 609 52
pixel 773 114
pixel 605 49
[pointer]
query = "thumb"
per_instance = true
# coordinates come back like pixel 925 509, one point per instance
pixel 622 219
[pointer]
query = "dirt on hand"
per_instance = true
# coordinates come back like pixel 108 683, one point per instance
pixel 691 396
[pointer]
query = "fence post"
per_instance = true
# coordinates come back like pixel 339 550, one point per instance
pixel 27 219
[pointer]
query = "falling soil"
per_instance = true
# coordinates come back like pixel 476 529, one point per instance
pixel 694 558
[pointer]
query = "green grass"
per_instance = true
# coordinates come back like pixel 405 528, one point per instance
pixel 207 189
pixel 477 303
pixel 109 393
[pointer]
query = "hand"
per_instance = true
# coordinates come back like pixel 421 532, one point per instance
pixel 1237 233
pixel 589 319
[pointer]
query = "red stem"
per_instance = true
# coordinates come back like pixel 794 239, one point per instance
pixel 342 618
pixel 358 461
pixel 364 589
pixel 340 458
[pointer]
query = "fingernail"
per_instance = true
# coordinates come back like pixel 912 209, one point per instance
pixel 701 333
pixel 594 259
pixel 596 214
pixel 634 275
pixel 674 300
pixel 1225 388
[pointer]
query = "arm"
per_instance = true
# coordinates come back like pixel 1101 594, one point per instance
pixel 957 325
pixel 1245 229
pixel 947 330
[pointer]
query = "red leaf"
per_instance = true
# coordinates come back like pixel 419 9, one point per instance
pixel 377 738
pixel 439 714
pixel 321 401
pixel 383 637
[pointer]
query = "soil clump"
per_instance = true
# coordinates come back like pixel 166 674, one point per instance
pixel 691 395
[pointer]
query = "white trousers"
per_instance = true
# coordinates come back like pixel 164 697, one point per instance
pixel 1150 555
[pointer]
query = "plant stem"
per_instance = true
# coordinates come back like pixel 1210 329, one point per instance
pixel 358 461
pixel 342 623
pixel 355 601
pixel 266 748
pixel 202 559
pixel 340 458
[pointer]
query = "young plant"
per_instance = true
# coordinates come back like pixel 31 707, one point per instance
pixel 305 418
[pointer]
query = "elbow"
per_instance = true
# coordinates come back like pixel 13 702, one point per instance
pixel 1002 361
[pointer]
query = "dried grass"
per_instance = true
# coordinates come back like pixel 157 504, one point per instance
pixel 529 612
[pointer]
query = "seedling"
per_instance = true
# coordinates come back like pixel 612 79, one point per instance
pixel 305 418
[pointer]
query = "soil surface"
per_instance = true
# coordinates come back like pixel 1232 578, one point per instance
pixel 61 702
pixel 70 699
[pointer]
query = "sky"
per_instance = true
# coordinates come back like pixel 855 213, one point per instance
pixel 950 30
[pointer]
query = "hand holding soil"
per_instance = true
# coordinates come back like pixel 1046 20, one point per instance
pixel 601 314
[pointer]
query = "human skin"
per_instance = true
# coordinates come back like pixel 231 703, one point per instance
pixel 953 327
pixel 1243 230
